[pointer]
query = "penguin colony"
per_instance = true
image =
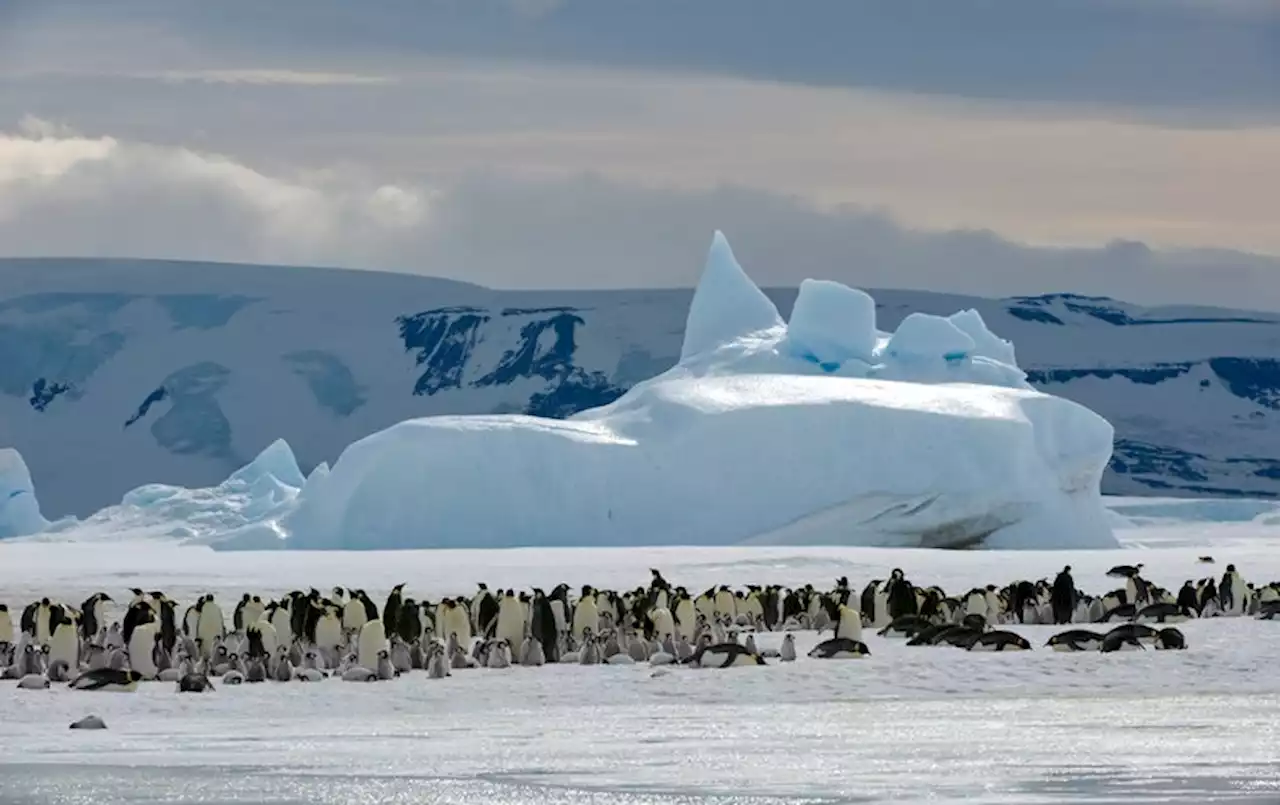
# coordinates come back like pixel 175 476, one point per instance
pixel 309 637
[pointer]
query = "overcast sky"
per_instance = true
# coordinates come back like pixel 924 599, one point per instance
pixel 1124 147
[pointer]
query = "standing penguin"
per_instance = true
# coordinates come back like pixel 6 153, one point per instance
pixel 391 610
pixel 1187 598
pixel 371 644
pixel 1232 592
pixel 509 625
pixel 92 617
pixel 901 596
pixel 1063 597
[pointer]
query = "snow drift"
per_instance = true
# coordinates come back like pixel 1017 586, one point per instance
pixel 820 430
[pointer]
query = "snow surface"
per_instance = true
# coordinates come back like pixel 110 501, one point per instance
pixel 905 725
pixel 748 439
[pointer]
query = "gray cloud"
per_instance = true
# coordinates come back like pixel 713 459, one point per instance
pixel 64 194
pixel 1177 59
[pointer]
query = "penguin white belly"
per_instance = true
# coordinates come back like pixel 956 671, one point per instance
pixel 661 600
pixel 511 621
pixel 880 615
pixel 65 646
pixel 585 616
pixel 270 639
pixel 976 604
pixel 280 620
pixel 210 628
pixel 353 616
pixel 557 612
pixel 687 618
pixel 725 604
pixel 6 628
pixel 705 607
pixel 42 625
pixel 850 625
pixel 141 643
pixel 663 625
pixel 993 607
pixel 252 612
pixel 457 621
pixel 328 631
pixel 373 639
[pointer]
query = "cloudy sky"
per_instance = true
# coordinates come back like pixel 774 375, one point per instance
pixel 1124 147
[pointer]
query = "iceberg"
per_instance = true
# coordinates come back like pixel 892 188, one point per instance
pixel 821 430
pixel 241 512
pixel 19 509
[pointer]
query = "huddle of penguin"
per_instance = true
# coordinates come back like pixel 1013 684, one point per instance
pixel 310 636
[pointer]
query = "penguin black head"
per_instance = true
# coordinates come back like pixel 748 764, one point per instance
pixel 1231 568
pixel 44 602
pixel 1066 569
pixel 135 590
pixel 244 599
pixel 156 594
pixel 399 586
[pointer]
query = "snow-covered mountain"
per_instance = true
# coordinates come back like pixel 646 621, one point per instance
pixel 116 373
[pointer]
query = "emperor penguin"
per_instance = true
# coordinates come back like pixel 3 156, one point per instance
pixel 279 619
pixel 210 627
pixel 849 627
pixel 391 610
pixel 663 624
pixel 64 644
pixel 354 615
pixel 725 603
pixel 373 639
pixel 452 618
pixel 142 645
pixel 39 622
pixel 1062 599
pixel 1232 592
pixel 108 679
pixel 586 615
pixel 485 607
pixel 328 631
pixel 511 621
pixel 705 605
pixel 787 653
pixel 976 604
pixel 686 616
pixel 93 616
pixel 190 618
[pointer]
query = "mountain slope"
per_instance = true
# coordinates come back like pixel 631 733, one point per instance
pixel 116 373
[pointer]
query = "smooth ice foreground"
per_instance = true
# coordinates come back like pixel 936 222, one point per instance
pixel 905 725
pixel 823 430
